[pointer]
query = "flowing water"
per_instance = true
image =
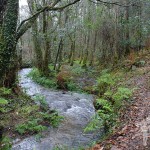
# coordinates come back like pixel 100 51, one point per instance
pixel 77 110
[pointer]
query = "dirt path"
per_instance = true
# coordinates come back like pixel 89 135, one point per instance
pixel 135 131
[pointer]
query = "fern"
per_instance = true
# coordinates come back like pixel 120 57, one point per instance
pixel 6 143
pixel 41 99
pixel 94 124
pixel 103 83
pixel 54 119
pixel 5 91
pixel 3 101
pixel 104 104
pixel 120 95
pixel 30 126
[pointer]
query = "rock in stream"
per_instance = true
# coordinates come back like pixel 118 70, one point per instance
pixel 77 110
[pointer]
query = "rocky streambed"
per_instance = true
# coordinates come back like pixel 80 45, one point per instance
pixel 77 110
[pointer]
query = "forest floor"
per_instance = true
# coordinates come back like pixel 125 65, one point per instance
pixel 134 132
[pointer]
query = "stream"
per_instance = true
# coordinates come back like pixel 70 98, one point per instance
pixel 77 110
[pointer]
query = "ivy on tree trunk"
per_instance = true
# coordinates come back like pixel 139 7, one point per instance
pixel 8 58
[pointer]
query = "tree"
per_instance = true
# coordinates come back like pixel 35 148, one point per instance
pixel 2 10
pixel 10 34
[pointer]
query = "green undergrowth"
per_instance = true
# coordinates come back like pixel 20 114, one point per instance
pixel 112 94
pixel 48 82
pixel 66 81
pixel 20 116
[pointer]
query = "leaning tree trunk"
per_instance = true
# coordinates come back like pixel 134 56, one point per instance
pixel 8 41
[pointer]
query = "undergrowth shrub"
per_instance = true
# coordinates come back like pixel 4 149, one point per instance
pixel 110 101
pixel 94 124
pixel 121 94
pixel 6 143
pixel 72 86
pixel 3 102
pixel 54 119
pixel 42 80
pixel 37 117
pixel 63 80
pixel 78 70
pixel 38 122
pixel 5 91
pixel 42 101
pixel 30 126
pixel 103 82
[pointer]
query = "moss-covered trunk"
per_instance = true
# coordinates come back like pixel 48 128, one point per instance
pixel 8 41
pixel 46 58
pixel 37 47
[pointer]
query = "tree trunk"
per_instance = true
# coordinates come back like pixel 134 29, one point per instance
pixel 127 47
pixel 73 53
pixel 8 54
pixel 37 47
pixel 46 69
pixel 60 47
pixel 3 4
pixel 86 51
pixel 94 49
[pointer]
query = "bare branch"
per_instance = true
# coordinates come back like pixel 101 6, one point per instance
pixel 27 23
pixel 112 3
pixel 37 13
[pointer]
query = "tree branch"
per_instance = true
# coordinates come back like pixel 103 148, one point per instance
pixel 27 23
pixel 112 3
pixel 37 13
